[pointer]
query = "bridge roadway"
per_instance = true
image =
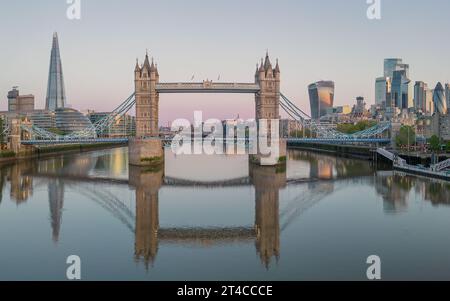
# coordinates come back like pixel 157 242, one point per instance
pixel 208 87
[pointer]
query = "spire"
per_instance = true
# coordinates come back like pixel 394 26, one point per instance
pixel 261 68
pixel 152 67
pixel 137 68
pixel 146 62
pixel 277 68
pixel 156 67
pixel 267 64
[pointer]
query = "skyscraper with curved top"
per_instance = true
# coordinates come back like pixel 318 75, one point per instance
pixel 440 103
pixel 321 97
pixel 56 92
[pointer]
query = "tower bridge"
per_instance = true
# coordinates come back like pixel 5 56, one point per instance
pixel 147 144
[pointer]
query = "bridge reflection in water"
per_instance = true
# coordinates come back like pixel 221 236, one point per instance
pixel 267 182
pixel 316 176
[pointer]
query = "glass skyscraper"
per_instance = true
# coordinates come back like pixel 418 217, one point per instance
pixel 391 65
pixel 440 103
pixel 420 96
pixel 447 95
pixel 321 97
pixel 56 93
pixel 383 91
pixel 402 90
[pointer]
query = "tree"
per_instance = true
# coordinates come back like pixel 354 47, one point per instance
pixel 435 143
pixel 447 147
pixel 349 128
pixel 406 136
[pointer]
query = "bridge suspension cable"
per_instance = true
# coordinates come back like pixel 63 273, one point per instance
pixel 324 130
pixel 90 132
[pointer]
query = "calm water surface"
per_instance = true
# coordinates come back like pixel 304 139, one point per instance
pixel 220 218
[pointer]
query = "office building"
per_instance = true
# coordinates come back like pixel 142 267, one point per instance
pixel 56 93
pixel 447 96
pixel 360 107
pixel 402 90
pixel 321 97
pixel 70 120
pixel 440 103
pixel 123 126
pixel 394 64
pixel 420 96
pixel 383 91
pixel 20 103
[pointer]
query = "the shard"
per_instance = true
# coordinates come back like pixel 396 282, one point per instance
pixel 56 92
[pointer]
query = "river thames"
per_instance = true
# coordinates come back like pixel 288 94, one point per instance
pixel 220 218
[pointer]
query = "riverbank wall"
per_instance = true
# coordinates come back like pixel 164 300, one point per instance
pixel 32 152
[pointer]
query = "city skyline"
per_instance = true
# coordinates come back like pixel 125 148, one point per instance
pixel 108 50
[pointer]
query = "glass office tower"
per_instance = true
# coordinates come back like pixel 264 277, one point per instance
pixel 440 103
pixel 56 93
pixel 321 97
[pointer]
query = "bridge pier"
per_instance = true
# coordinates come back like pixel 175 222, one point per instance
pixel 279 158
pixel 146 152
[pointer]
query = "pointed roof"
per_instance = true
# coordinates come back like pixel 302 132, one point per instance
pixel 152 67
pixel 261 68
pixel 277 68
pixel 267 64
pixel 146 62
pixel 137 68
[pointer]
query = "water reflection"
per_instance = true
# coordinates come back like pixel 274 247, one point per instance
pixel 396 190
pixel 266 232
pixel 147 184
pixel 311 176
pixel 267 182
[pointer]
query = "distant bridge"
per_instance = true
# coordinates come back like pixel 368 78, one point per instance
pixel 167 141
pixel 74 141
pixel 294 141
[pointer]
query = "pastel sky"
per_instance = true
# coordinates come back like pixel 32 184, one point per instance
pixel 313 39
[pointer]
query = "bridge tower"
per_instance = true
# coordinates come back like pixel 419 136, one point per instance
pixel 267 100
pixel 147 99
pixel 267 105
pixel 146 148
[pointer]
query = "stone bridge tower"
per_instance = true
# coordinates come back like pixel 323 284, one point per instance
pixel 147 99
pixel 267 106
pixel 268 99
pixel 146 148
